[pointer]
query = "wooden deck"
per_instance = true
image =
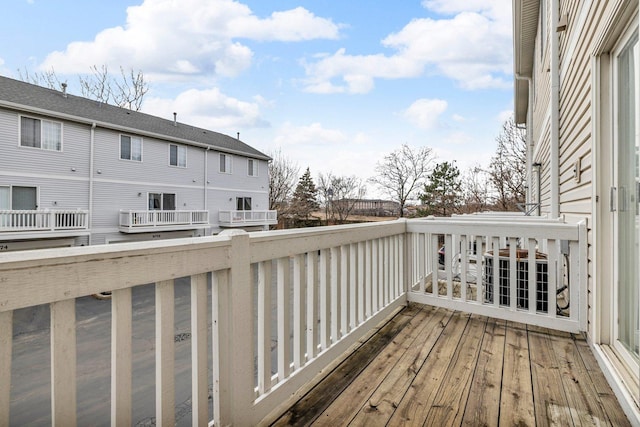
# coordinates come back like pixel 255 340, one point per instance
pixel 436 367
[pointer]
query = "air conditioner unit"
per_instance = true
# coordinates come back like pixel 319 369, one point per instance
pixel 502 279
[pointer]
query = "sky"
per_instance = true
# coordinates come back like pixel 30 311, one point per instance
pixel 334 85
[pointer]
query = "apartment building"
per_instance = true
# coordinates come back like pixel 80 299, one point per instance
pixel 75 171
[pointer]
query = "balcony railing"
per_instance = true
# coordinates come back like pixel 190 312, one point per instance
pixel 132 221
pixel 247 218
pixel 314 293
pixel 43 220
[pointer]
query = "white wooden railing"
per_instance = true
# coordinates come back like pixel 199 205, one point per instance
pixel 329 286
pixel 131 219
pixel 243 218
pixel 43 220
pixel 547 287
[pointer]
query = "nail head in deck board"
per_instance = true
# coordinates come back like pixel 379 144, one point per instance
pixel 384 400
pixel 359 392
pixel 516 397
pixel 483 403
pixel 422 393
pixel 307 409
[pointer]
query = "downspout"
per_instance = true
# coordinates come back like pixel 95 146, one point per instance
pixel 555 109
pixel 91 158
pixel 529 136
pixel 206 184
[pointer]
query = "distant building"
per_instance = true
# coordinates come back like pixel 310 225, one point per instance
pixel 75 171
pixel 371 207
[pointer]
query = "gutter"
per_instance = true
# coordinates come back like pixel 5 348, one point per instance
pixel 555 112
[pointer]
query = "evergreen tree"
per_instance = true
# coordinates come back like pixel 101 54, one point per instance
pixel 304 199
pixel 442 192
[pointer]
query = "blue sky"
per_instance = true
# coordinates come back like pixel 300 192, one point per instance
pixel 335 85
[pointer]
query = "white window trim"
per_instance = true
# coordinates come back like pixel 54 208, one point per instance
pixel 41 121
pixel 254 171
pixel 120 148
pixel 179 147
pixel 228 162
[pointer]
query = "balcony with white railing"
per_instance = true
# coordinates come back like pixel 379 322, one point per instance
pixel 265 312
pixel 31 224
pixel 133 221
pixel 247 218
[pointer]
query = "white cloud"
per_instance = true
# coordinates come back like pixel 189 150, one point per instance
pixel 472 47
pixel 189 37
pixel 425 113
pixel 314 134
pixel 209 109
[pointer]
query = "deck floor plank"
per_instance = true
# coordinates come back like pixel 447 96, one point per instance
pixel 448 368
pixel 449 405
pixel 385 399
pixel 415 405
pixel 549 398
pixel 359 391
pixel 516 397
pixel 483 402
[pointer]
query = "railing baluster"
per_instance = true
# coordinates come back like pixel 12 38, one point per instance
pixel 335 294
pixel 496 272
pixel 63 363
pixel 354 285
pixel 479 270
pixel 532 279
pixel 553 276
pixel 312 305
pixel 298 312
pixel 221 336
pixel 361 279
pixel 368 279
pixel 325 332
pixel 6 342
pixel 434 264
pixel 449 256
pixel 165 360
pixel 464 263
pixel 121 361
pixel 264 326
pixel 345 286
pixel 284 322
pixel 381 273
pixel 513 269
pixel 199 362
pixel 375 261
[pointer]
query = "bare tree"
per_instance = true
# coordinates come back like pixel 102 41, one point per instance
pixel 340 195
pixel 475 190
pixel 283 174
pixel 126 91
pixel 402 172
pixel 507 170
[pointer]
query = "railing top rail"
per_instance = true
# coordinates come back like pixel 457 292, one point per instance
pixel 42 211
pixel 550 229
pixel 34 277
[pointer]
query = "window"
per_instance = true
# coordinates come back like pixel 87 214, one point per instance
pixel 162 202
pixel 225 163
pixel 43 134
pixel 178 155
pixel 252 167
pixel 243 203
pixel 130 148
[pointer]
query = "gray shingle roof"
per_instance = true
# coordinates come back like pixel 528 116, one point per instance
pixel 20 95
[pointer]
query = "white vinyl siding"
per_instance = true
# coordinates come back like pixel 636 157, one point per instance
pixel 130 148
pixel 225 163
pixel 43 134
pixel 178 155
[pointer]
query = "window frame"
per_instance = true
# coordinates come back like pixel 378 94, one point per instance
pixel 252 168
pixel 244 203
pixel 131 139
pixel 162 201
pixel 179 148
pixel 228 163
pixel 42 123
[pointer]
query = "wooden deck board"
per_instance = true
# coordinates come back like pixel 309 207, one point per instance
pixel 449 369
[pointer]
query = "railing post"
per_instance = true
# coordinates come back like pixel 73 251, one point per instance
pixel 238 321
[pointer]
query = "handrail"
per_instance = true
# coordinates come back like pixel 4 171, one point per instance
pixel 43 220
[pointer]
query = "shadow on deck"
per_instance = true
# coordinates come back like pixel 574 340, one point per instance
pixel 432 366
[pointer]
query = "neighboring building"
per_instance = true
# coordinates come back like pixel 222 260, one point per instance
pixel 577 91
pixel 370 207
pixel 75 171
